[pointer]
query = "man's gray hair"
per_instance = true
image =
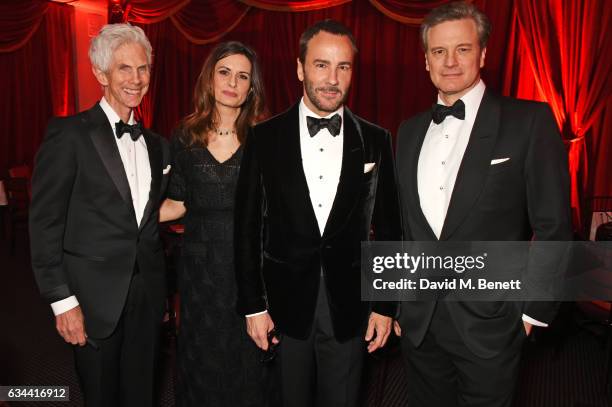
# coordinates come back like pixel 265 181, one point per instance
pixel 457 10
pixel 113 36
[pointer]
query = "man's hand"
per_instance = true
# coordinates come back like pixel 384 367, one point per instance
pixel 381 326
pixel 528 327
pixel 397 328
pixel 258 327
pixel 71 326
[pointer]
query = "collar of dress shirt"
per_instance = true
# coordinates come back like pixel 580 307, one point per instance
pixel 112 116
pixel 471 99
pixel 305 111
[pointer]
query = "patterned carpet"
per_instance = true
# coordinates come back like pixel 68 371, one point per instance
pixel 567 372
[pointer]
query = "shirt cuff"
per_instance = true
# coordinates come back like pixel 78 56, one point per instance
pixel 257 313
pixel 535 322
pixel 61 306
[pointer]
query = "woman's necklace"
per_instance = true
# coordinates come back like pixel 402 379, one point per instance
pixel 225 132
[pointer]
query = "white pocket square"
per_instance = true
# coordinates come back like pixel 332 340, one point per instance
pixel 167 169
pixel 367 167
pixel 499 161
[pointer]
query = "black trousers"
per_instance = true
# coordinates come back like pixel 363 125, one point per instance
pixel 442 371
pixel 320 371
pixel 121 372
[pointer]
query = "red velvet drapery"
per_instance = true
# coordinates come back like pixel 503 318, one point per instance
pixel 407 11
pixel 390 82
pixel 19 23
pixel 570 55
pixel 37 81
pixel 291 6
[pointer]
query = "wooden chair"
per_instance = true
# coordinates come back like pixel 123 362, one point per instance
pixel 18 197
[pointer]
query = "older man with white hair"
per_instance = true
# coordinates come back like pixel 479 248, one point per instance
pixel 96 253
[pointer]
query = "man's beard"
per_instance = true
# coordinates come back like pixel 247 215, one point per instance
pixel 312 95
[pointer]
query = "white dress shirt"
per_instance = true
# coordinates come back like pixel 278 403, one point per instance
pixel 322 163
pixel 135 159
pixel 440 158
pixel 441 155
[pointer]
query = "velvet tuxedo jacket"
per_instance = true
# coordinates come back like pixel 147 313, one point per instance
pixel 525 196
pixel 280 253
pixel 85 239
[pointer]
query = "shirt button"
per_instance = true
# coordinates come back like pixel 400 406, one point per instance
pixel 441 188
pixel 320 176
pixel 446 136
pixel 443 162
pixel 320 206
pixel 321 150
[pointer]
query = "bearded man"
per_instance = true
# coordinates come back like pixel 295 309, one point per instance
pixel 313 182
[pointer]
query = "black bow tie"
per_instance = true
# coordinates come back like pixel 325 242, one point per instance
pixel 332 124
pixel 135 129
pixel 439 112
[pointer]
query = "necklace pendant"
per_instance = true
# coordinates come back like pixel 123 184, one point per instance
pixel 222 132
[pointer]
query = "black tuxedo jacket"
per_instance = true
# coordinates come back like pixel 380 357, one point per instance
pixel 526 196
pixel 280 252
pixel 85 240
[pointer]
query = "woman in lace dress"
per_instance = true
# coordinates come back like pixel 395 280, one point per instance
pixel 217 363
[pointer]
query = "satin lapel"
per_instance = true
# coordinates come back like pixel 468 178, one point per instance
pixel 155 160
pixel 421 130
pixel 291 168
pixel 474 166
pixel 104 140
pixel 351 174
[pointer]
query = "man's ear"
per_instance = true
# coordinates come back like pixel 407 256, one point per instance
pixel 483 53
pixel 100 76
pixel 426 62
pixel 300 70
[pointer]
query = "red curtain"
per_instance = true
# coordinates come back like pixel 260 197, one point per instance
pixel 291 6
pixel 389 83
pixel 19 22
pixel 199 22
pixel 407 11
pixel 599 149
pixel 569 53
pixel 37 79
pixel 551 50
pixel 152 11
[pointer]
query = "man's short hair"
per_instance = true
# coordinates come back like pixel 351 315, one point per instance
pixel 113 36
pixel 457 10
pixel 329 26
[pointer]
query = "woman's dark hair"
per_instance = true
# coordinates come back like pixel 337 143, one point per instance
pixel 205 117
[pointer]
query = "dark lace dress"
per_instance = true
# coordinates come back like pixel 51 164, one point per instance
pixel 217 363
